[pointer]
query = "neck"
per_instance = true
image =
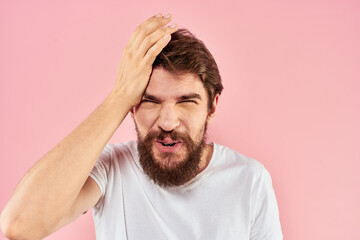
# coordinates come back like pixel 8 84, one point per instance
pixel 206 157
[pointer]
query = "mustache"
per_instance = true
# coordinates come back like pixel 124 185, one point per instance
pixel 174 135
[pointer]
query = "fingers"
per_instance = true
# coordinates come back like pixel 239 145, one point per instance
pixel 154 37
pixel 139 54
pixel 148 27
pixel 156 49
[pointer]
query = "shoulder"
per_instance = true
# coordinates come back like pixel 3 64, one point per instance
pixel 125 148
pixel 112 153
pixel 230 158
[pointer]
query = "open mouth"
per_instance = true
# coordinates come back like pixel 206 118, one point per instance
pixel 168 145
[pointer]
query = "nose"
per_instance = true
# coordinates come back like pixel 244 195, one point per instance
pixel 168 119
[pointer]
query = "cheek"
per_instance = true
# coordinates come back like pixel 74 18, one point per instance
pixel 145 119
pixel 194 121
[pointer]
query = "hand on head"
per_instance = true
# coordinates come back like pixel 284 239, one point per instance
pixel 144 45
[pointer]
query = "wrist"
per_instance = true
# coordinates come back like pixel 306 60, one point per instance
pixel 120 99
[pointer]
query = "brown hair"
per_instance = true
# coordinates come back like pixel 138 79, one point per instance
pixel 186 53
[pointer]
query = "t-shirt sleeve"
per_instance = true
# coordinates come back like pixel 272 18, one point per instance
pixel 265 216
pixel 100 171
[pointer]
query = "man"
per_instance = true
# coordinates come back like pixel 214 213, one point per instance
pixel 170 184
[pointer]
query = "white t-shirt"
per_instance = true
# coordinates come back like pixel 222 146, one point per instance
pixel 232 198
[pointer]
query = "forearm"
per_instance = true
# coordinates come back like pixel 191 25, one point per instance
pixel 49 188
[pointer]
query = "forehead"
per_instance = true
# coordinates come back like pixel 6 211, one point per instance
pixel 166 84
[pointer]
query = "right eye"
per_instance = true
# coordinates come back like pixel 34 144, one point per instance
pixel 147 100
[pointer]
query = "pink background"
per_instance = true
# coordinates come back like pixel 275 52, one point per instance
pixel 291 99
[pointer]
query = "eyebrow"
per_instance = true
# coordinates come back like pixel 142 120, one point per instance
pixel 183 97
pixel 190 96
pixel 150 97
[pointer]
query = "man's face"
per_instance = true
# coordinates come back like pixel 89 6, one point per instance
pixel 171 124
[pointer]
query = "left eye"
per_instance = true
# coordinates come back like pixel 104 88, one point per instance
pixel 188 101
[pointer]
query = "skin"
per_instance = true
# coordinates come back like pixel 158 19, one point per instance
pixel 58 189
pixel 175 103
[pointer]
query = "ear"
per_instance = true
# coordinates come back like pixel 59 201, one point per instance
pixel 213 107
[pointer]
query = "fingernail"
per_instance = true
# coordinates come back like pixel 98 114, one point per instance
pixel 166 36
pixel 158 15
pixel 173 25
pixel 167 15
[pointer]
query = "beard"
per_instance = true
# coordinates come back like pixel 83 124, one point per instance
pixel 171 169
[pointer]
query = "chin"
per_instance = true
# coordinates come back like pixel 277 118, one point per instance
pixel 169 160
